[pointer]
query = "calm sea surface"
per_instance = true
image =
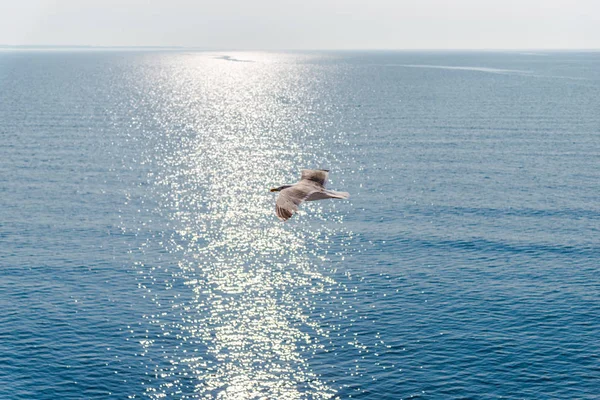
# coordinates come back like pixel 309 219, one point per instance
pixel 140 255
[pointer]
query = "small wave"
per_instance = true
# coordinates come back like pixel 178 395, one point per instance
pixel 489 246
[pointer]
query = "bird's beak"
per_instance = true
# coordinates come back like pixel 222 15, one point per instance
pixel 275 190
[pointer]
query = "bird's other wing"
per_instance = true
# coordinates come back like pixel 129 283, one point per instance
pixel 327 194
pixel 289 199
pixel 318 176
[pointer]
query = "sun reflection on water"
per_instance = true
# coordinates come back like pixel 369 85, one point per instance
pixel 220 134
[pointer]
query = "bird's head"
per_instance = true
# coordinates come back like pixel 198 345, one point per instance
pixel 280 188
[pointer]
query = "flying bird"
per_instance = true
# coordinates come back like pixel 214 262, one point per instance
pixel 311 187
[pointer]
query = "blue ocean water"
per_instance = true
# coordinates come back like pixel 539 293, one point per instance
pixel 140 255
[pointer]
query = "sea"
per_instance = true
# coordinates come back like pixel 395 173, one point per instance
pixel 141 257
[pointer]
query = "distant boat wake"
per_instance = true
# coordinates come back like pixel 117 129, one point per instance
pixel 500 71
pixel 462 68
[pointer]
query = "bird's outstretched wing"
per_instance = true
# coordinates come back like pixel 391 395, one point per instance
pixel 318 176
pixel 289 199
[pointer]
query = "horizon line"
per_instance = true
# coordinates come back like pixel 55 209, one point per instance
pixel 201 48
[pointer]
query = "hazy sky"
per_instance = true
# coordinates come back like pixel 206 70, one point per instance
pixel 306 24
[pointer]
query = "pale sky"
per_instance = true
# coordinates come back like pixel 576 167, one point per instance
pixel 305 24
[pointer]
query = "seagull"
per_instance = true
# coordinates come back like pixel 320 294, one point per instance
pixel 311 187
